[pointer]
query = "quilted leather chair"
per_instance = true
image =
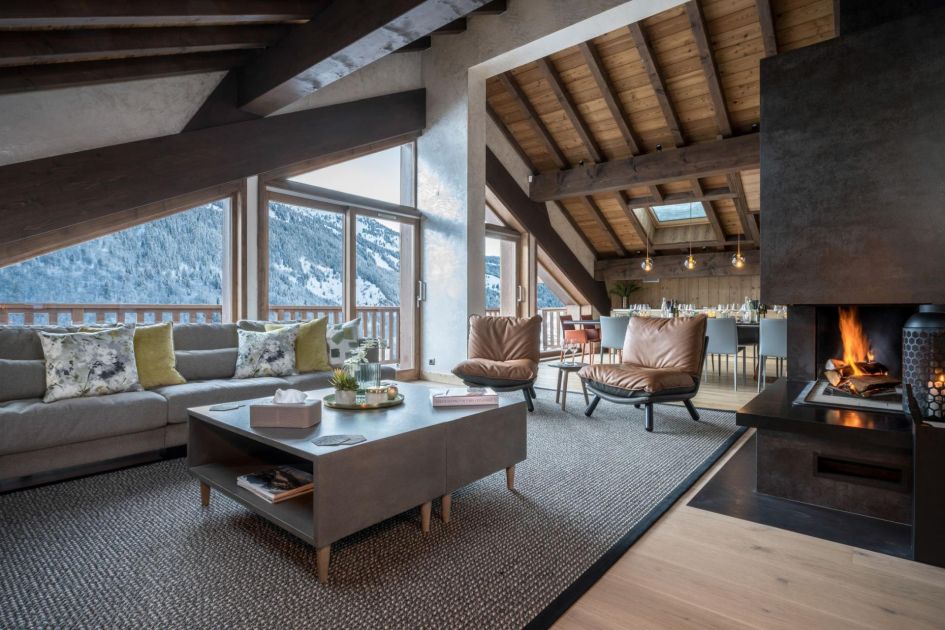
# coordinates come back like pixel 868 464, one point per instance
pixel 503 354
pixel 662 362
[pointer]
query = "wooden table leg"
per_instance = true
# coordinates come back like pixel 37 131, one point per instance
pixel 324 558
pixel 425 511
pixel 204 494
pixel 558 387
pixel 510 477
pixel 564 389
pixel 445 504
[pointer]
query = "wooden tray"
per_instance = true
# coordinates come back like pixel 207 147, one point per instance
pixel 329 401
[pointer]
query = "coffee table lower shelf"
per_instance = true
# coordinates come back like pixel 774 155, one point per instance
pixel 294 515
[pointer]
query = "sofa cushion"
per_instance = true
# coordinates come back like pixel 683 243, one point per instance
pixel 205 365
pixel 21 343
pixel 634 378
pixel 659 342
pixel 266 353
pixel 513 370
pixel 204 336
pixel 154 356
pixel 311 346
pixel 195 394
pixel 343 339
pixel 28 425
pixel 22 379
pixel 89 364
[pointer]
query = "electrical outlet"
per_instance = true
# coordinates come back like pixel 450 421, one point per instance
pixel 432 361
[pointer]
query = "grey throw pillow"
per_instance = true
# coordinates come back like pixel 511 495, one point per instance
pixel 90 364
pixel 343 339
pixel 266 353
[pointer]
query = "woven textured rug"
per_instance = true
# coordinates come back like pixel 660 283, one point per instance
pixel 134 549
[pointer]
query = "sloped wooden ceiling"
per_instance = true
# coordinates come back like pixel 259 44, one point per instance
pixel 686 76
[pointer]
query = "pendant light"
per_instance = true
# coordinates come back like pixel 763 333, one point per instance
pixel 738 261
pixel 647 264
pixel 690 262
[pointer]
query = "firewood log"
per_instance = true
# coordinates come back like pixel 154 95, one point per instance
pixel 833 377
pixel 871 383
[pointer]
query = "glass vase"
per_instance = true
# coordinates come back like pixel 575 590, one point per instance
pixel 368 374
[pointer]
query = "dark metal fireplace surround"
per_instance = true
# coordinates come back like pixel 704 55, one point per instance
pixel 847 207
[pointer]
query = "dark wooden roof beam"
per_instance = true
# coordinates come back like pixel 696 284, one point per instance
pixel 769 37
pixel 22 48
pixel 570 109
pixel 604 224
pixel 750 231
pixel 510 138
pixel 701 34
pixel 606 89
pixel 627 208
pixel 521 99
pixel 714 221
pixel 698 160
pixel 711 194
pixel 642 44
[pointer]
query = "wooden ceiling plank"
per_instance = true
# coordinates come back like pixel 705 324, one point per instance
pixel 570 109
pixel 656 82
pixel 701 34
pixel 60 75
pixel 702 159
pixel 705 194
pixel 750 230
pixel 574 224
pixel 714 221
pixel 769 36
pixel 521 99
pixel 602 221
pixel 595 65
pixel 638 226
pixel 503 128
pixel 21 48
pixel 48 14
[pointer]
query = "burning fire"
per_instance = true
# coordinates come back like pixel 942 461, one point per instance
pixel 856 345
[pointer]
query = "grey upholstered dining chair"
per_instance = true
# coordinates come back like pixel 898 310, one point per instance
pixel 613 330
pixel 772 342
pixel 723 340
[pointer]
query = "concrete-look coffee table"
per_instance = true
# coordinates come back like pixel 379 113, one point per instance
pixel 413 454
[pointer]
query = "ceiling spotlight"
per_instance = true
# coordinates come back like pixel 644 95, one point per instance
pixel 659 147
pixel 754 126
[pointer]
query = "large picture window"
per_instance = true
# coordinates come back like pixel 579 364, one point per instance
pixel 167 269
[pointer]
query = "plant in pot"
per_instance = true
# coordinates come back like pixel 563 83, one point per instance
pixel 624 290
pixel 346 387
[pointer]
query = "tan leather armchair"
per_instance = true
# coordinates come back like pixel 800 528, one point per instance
pixel 662 362
pixel 503 354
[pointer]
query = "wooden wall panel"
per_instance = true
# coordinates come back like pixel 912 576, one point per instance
pixel 701 291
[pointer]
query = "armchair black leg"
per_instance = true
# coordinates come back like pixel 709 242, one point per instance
pixel 528 399
pixel 692 409
pixel 534 394
pixel 591 407
pixel 648 416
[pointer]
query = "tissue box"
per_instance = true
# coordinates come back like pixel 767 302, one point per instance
pixel 285 415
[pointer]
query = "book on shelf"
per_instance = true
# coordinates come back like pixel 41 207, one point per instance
pixel 277 484
pixel 464 396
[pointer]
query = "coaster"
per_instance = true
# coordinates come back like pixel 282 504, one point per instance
pixel 226 407
pixel 338 440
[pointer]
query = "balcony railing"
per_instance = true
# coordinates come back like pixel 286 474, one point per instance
pixel 381 322
pixel 550 326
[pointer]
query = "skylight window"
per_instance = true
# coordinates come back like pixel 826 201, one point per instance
pixel 678 212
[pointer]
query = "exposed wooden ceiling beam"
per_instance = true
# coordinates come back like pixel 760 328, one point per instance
pixel 59 75
pixel 669 266
pixel 642 44
pixel 570 109
pixel 606 89
pixel 701 34
pixel 510 138
pixel 627 208
pixel 685 196
pixel 45 196
pixel 46 14
pixel 345 37
pixel 574 224
pixel 604 224
pixel 696 160
pixel 21 48
pixel 769 37
pixel 714 221
pixel 521 99
pixel 750 229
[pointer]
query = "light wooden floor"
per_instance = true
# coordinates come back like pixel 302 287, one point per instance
pixel 698 569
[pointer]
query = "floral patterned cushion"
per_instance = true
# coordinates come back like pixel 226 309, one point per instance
pixel 343 340
pixel 266 353
pixel 89 364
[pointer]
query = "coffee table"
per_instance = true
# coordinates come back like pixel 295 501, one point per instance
pixel 413 454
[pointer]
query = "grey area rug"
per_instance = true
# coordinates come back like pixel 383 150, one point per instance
pixel 134 549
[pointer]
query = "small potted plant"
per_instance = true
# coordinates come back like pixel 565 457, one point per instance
pixel 624 290
pixel 346 387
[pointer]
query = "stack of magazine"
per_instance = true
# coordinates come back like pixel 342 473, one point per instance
pixel 277 484
pixel 464 396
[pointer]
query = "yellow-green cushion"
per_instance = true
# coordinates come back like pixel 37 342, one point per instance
pixel 154 356
pixel 311 347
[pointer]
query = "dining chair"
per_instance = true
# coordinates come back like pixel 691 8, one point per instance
pixel 772 342
pixel 613 330
pixel 585 337
pixel 723 340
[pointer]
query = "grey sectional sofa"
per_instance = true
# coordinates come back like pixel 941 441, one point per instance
pixel 46 441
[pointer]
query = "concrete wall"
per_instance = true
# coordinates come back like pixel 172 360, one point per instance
pixel 53 122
